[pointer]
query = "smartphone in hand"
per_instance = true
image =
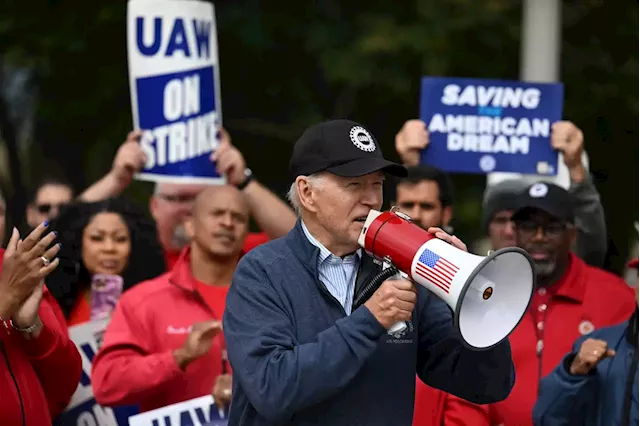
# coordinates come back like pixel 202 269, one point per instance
pixel 105 292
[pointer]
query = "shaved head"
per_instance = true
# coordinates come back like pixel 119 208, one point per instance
pixel 209 195
pixel 219 222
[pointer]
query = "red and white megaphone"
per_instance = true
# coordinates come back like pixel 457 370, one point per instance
pixel 488 295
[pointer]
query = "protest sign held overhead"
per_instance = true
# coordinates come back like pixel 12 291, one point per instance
pixel 199 411
pixel 483 126
pixel 83 408
pixel 175 88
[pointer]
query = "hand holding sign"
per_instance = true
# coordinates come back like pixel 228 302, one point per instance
pixel 130 159
pixel 198 342
pixel 568 139
pixel 229 161
pixel 222 391
pixel 410 140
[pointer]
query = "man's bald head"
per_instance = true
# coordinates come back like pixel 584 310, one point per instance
pixel 212 194
pixel 219 222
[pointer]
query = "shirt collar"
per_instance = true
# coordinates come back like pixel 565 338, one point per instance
pixel 324 252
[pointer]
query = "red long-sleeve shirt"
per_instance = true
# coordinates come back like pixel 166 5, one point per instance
pixel 135 364
pixel 38 376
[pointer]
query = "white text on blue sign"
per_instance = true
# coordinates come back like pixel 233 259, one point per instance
pixel 489 131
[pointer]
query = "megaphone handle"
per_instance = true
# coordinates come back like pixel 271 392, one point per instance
pixel 397 327
pixel 400 325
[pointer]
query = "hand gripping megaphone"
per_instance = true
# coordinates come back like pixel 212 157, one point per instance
pixel 488 295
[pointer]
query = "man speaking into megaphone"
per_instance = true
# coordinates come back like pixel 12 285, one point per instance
pixel 300 350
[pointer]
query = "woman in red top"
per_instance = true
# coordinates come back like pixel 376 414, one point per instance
pixel 111 237
pixel 40 367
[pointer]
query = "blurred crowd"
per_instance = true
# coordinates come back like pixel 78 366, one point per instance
pixel 164 341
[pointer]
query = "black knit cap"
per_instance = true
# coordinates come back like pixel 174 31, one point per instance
pixel 499 197
pixel 341 147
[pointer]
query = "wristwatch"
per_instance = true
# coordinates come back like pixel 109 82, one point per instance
pixel 248 178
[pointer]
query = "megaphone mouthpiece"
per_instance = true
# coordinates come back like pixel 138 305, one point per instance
pixel 373 214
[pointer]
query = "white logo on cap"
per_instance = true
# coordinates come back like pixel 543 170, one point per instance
pixel 538 190
pixel 362 139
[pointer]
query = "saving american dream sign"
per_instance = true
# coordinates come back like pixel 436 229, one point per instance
pixel 175 88
pixel 484 126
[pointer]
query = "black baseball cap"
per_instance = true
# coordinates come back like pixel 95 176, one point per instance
pixel 548 197
pixel 341 147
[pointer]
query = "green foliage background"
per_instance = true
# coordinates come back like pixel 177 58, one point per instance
pixel 287 64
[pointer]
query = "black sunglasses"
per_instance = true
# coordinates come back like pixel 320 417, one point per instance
pixel 45 208
pixel 551 229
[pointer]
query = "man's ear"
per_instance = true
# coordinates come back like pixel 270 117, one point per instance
pixel 306 194
pixel 447 215
pixel 188 226
pixel 153 207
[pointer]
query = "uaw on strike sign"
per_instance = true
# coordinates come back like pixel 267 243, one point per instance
pixel 175 87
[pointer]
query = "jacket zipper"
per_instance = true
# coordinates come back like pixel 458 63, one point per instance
pixel 223 347
pixel 327 293
pixel 15 382
pixel 356 290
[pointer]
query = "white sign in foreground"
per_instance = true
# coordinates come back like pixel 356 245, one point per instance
pixel 195 412
pixel 83 410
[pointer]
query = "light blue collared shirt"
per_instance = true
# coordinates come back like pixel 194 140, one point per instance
pixel 337 274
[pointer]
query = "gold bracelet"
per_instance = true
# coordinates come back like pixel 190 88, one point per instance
pixel 29 329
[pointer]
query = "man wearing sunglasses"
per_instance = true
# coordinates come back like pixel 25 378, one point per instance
pixel 49 197
pixel 571 300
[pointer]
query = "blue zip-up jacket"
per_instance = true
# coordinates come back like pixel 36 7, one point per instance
pixel 598 398
pixel 298 359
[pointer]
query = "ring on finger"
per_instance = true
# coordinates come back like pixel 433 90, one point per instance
pixel 45 261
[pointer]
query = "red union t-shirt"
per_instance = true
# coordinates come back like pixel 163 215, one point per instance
pixel 214 296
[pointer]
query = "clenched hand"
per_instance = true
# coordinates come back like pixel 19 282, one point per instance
pixel 591 353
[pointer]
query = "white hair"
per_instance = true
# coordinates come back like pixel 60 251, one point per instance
pixel 294 197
